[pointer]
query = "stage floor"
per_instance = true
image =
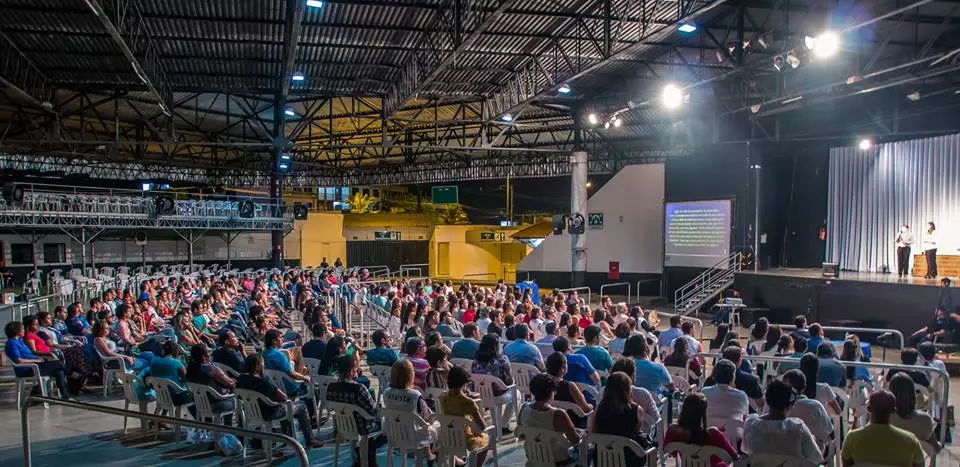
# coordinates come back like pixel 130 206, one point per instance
pixel 815 273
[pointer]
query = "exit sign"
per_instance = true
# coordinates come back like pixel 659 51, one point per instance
pixel 445 195
pixel 492 236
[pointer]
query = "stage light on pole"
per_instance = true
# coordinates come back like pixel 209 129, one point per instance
pixel 825 45
pixel 865 144
pixel 688 27
pixel 564 89
pixel 672 96
pixel 593 119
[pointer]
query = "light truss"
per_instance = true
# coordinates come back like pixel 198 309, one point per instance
pixel 21 76
pixel 13 219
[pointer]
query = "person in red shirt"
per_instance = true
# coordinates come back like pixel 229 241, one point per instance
pixel 691 428
pixel 469 315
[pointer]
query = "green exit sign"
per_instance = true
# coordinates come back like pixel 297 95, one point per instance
pixel 445 195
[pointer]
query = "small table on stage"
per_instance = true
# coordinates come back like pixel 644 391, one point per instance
pixel 948 264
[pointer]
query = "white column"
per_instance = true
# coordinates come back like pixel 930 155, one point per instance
pixel 578 205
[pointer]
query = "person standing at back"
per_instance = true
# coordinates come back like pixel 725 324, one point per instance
pixel 879 442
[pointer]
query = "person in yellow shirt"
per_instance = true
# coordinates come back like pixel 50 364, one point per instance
pixel 879 442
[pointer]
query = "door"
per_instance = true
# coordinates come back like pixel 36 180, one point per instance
pixel 443 258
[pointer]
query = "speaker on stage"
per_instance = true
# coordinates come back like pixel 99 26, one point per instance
pixel 300 211
pixel 831 270
pixel 246 209
pixel 13 193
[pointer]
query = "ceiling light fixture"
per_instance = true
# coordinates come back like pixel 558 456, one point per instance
pixel 289 112
pixel 688 27
pixel 865 144
pixel 792 99
pixel 507 117
pixel 315 3
pixel 564 89
pixel 297 76
pixel 672 96
pixel 914 96
pixel 825 45
pixel 593 119
pixel 617 122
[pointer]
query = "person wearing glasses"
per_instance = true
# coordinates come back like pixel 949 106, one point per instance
pixel 777 432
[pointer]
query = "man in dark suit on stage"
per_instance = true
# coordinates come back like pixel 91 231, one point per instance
pixel 904 241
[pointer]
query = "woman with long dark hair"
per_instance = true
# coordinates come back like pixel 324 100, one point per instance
pixel 490 361
pixel 810 366
pixel 620 415
pixel 930 250
pixel 691 428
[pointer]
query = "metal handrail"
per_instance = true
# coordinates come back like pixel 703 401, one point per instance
pixel 578 289
pixel 480 274
pixel 417 266
pixel 618 284
pixel 883 366
pixel 25 425
pixel 711 276
pixel 697 323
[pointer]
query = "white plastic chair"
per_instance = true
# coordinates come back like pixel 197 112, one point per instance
pixel 464 363
pixel 279 378
pixel 522 373
pixel 692 455
pixel 589 389
pixel 320 382
pixel 680 377
pixel 483 384
pixel 382 373
pixel 452 440
pixel 110 375
pixel 433 395
pixel 130 397
pixel 26 383
pixel 165 403
pixel 732 429
pixel 407 433
pixel 539 446
pixel 610 450
pixel 776 460
pixel 253 415
pixel 233 374
pixel 570 406
pixel 347 430
pixel 202 394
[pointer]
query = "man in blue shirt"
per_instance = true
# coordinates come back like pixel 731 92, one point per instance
pixel 579 369
pixel 816 338
pixel 598 356
pixel 316 347
pixel 383 354
pixel 666 337
pixel 831 370
pixel 444 328
pixel 545 344
pixel 18 352
pixel 467 347
pixel 275 359
pixel 521 351
pixel 651 376
pixel 229 351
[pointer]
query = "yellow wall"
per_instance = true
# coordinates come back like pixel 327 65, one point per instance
pixel 475 260
pixel 321 235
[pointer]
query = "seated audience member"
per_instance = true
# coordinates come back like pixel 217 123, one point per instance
pixel 579 368
pixel 536 323
pixel 316 347
pixel 800 322
pixel 348 390
pixel 910 356
pixel 230 352
pixel 716 344
pixel 253 379
pixel 937 328
pixel 201 371
pixel 382 354
pixel 274 358
pixel 401 396
pixel 852 353
pixel 458 403
pixel 641 396
pixel 522 351
pixel 415 350
pixel 542 415
pixel 776 432
pixel 928 355
pixel 598 356
pixel 169 366
pixel 745 380
pixel 77 325
pixel 619 415
pixel 545 343
pixel 665 339
pixel 814 389
pixel 796 352
pixel 19 353
pixel 687 329
pixel 879 442
pixel 758 336
pixel 726 402
pixel 574 334
pixel 832 371
pixel 489 361
pixel 621 333
pixel 692 428
pixel 906 416
pixel 467 347
pixel 496 323
pixel 108 348
pixel 436 376
pixel 815 339
pixel 811 411
pixel 651 376
pixel 681 356
pixel 774 333
pixel 444 328
pixel 567 391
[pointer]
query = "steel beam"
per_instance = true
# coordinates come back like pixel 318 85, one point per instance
pixel 121 18
pixel 291 39
pixel 20 75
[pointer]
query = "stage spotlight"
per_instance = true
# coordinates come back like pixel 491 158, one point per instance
pixel 719 56
pixel 672 96
pixel 13 193
pixel 617 122
pixel 825 45
pixel 289 112
pixel 792 59
pixel 606 125
pixel 688 27
pixel 593 119
pixel 297 76
pixel 865 144
pixel 778 62
pixel 507 118
pixel 589 184
pixel 564 89
pixel 754 108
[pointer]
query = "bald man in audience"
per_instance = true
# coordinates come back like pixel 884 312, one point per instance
pixel 879 442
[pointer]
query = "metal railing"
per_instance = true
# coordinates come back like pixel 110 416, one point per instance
pixel 697 324
pixel 481 274
pixel 944 376
pixel 25 426
pixel 578 289
pixel 660 286
pixel 408 268
pixel 709 282
pixel 880 331
pixel 617 284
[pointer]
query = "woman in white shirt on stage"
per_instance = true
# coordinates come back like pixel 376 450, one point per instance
pixel 930 250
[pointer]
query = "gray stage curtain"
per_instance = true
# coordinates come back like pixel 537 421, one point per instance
pixel 873 192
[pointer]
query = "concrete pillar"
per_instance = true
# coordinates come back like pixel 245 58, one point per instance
pixel 578 205
pixel 276 180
